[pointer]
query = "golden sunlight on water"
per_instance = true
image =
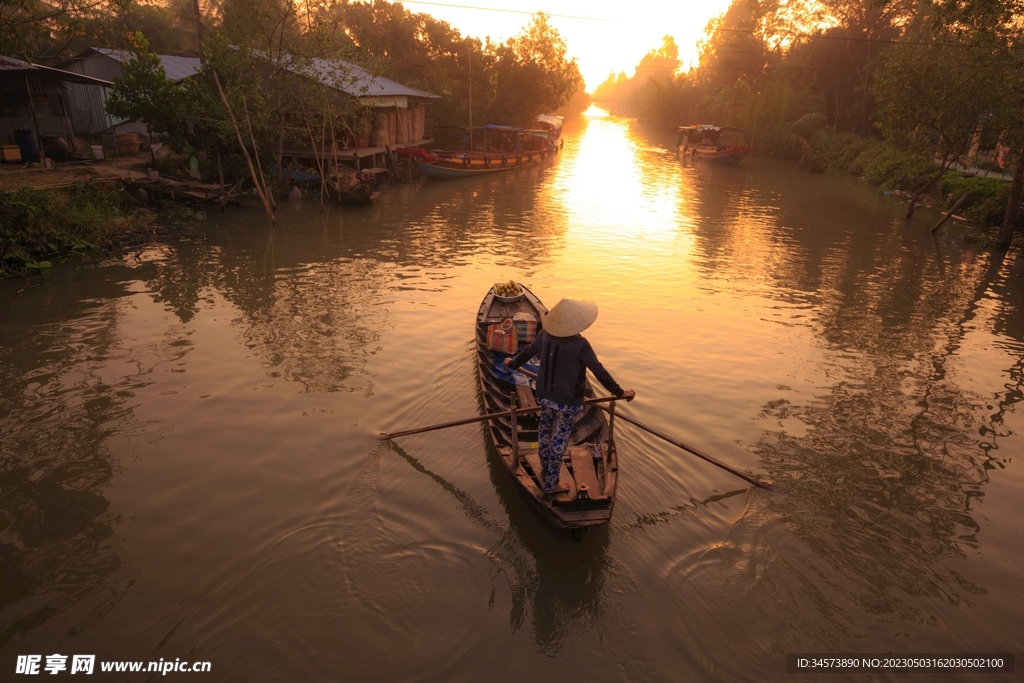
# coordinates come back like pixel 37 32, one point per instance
pixel 189 467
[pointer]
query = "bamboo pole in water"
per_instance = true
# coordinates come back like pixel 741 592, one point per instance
pixel 259 165
pixel 245 151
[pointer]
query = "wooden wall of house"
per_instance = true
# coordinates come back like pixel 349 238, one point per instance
pixel 402 126
pixel 419 121
pixel 392 125
pixel 49 98
pixel 404 120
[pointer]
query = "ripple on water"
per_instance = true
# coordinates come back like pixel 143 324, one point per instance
pixel 416 606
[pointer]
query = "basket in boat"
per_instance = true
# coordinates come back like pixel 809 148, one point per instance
pixel 509 299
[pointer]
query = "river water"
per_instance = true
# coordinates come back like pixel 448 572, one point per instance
pixel 188 469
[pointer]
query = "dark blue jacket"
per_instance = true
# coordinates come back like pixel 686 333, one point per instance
pixel 563 368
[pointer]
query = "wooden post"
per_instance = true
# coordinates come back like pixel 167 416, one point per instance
pixel 515 430
pixel 392 160
pixel 611 426
pixel 949 213
pixel 35 121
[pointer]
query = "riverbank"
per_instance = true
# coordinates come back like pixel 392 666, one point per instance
pixel 899 172
pixel 39 226
pixel 91 208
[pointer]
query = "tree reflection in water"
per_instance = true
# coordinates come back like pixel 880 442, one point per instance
pixel 315 314
pixel 883 483
pixel 61 423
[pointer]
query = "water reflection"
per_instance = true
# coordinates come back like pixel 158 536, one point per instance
pixel 64 419
pixel 313 291
pixel 885 479
pixel 555 582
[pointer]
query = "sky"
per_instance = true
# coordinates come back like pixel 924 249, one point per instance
pixel 605 36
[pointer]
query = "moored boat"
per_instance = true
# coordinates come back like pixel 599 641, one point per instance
pixel 706 142
pixel 553 124
pixel 590 464
pixel 353 187
pixel 476 150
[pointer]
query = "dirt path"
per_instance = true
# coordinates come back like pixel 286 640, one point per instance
pixel 17 176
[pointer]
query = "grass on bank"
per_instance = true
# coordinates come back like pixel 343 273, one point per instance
pixel 40 226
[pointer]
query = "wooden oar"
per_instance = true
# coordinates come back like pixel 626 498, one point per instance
pixel 690 449
pixel 680 444
pixel 482 418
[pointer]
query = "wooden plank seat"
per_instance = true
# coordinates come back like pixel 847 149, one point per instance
pixel 525 397
pixel 582 458
pixel 532 458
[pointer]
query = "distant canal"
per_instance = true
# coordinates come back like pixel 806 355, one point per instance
pixel 187 468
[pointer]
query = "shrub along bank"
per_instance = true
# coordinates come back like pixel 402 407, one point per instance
pixel 889 168
pixel 40 226
pixel 874 161
pixel 988 200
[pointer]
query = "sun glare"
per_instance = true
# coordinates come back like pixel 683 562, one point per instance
pixel 602 36
pixel 617 200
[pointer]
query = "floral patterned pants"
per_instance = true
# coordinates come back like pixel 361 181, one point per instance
pixel 556 423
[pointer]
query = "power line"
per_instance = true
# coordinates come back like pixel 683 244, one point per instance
pixel 495 9
pixel 861 40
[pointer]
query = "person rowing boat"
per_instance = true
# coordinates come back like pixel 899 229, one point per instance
pixel 565 355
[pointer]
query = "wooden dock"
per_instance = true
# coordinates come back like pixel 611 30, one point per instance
pixel 352 157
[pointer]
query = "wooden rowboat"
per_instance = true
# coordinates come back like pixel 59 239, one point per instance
pixel 592 480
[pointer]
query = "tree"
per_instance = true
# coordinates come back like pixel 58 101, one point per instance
pixel 418 50
pixel 37 29
pixel 532 74
pixel 143 93
pixel 995 22
pixel 941 95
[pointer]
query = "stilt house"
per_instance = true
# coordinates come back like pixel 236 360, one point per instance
pixel 400 115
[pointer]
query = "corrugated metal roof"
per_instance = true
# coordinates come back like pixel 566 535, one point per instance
pixel 356 81
pixel 12 64
pixel 176 68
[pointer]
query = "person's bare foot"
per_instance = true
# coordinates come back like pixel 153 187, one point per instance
pixel 561 488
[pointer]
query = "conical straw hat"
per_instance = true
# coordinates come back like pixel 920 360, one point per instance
pixel 570 317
